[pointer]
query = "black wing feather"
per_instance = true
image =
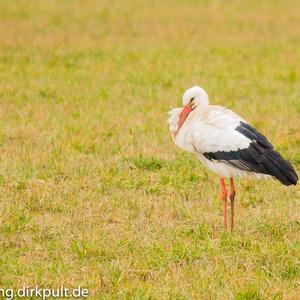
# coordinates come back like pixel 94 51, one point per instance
pixel 259 157
pixel 252 134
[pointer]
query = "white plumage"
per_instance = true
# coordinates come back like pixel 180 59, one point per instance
pixel 211 129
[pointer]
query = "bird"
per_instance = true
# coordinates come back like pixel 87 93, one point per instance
pixel 225 144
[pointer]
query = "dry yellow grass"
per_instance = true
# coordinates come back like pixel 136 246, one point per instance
pixel 93 192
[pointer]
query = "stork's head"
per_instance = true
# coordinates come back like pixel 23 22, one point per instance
pixel 193 98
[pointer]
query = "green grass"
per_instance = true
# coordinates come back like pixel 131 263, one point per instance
pixel 94 193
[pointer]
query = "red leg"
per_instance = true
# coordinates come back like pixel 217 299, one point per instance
pixel 224 199
pixel 232 196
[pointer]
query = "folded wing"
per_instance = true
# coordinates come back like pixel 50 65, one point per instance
pixel 225 137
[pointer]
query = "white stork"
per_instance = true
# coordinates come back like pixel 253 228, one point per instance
pixel 226 144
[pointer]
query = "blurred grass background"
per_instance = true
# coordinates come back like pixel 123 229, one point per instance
pixel 94 193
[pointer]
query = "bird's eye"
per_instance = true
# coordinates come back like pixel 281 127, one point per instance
pixel 192 99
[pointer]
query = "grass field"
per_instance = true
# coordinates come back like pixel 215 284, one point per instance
pixel 94 193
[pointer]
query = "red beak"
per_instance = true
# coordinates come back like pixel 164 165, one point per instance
pixel 184 114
